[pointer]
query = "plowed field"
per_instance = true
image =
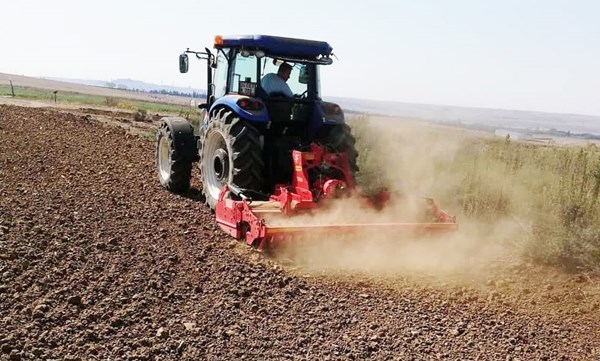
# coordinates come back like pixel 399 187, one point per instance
pixel 97 262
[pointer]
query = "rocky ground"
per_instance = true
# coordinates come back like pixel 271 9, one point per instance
pixel 97 262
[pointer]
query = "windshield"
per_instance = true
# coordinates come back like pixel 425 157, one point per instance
pixel 270 65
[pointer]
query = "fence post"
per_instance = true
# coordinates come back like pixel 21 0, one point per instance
pixel 12 90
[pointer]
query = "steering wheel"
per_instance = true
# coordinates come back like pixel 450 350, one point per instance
pixel 300 96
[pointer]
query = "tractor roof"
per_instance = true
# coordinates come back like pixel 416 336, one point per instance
pixel 276 45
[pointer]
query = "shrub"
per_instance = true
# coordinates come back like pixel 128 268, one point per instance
pixel 141 115
pixel 111 102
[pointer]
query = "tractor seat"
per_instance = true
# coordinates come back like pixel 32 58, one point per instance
pixel 279 107
pixel 280 110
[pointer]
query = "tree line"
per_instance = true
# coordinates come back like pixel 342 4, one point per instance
pixel 193 93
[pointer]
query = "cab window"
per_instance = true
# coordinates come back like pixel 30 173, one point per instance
pixel 297 83
pixel 220 77
pixel 243 78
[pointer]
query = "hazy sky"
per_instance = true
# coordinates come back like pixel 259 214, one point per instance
pixel 513 54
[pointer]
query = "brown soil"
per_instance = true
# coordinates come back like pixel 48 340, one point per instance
pixel 97 262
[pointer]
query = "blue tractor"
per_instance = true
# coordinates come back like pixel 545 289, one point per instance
pixel 247 133
pixel 269 147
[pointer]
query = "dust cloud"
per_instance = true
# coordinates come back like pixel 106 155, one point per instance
pixel 411 160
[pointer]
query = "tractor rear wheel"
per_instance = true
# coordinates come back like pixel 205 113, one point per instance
pixel 175 153
pixel 230 153
pixel 339 138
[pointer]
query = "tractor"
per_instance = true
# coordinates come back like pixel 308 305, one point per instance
pixel 262 152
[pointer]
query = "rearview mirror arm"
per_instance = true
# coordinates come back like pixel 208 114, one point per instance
pixel 210 59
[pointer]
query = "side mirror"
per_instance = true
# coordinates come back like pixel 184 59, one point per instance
pixel 303 76
pixel 183 63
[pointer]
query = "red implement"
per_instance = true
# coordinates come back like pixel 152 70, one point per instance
pixel 311 189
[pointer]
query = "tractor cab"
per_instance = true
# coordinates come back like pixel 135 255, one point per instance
pixel 238 72
pixel 292 103
pixel 255 116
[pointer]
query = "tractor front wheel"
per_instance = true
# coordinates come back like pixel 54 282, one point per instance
pixel 175 153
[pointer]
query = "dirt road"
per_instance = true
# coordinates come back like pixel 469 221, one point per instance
pixel 97 262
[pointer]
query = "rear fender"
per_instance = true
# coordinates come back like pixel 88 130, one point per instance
pixel 325 113
pixel 230 101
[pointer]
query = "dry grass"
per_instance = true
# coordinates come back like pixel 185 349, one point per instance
pixel 550 193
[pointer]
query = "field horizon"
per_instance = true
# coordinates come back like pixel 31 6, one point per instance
pixel 537 126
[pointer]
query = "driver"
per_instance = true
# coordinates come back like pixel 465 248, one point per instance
pixel 276 83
